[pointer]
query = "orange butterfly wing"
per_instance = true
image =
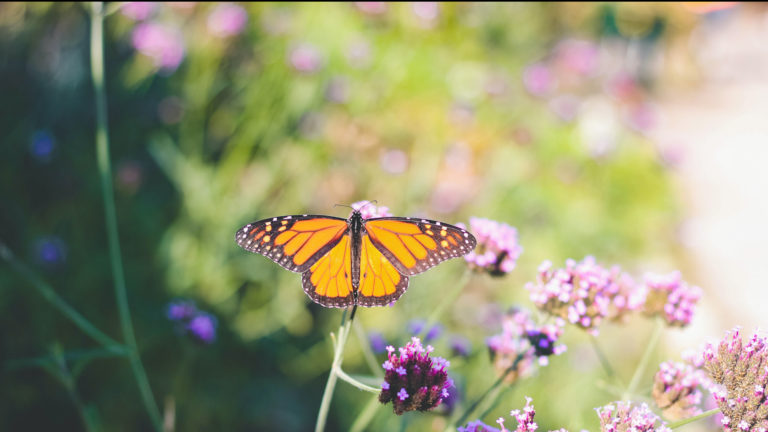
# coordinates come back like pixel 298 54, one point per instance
pixel 380 282
pixel 329 280
pixel 415 245
pixel 294 242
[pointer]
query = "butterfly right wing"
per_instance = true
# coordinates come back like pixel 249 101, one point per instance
pixel 294 242
pixel 328 281
pixel 380 282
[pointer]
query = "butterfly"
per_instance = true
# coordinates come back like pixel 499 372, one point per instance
pixel 355 261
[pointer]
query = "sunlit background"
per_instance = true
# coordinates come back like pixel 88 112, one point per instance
pixel 635 133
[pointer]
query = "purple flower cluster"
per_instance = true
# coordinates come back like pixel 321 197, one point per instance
pixel 624 417
pixel 524 417
pixel 227 19
pixel 670 297
pixel 676 390
pixel 368 210
pixel 160 42
pixel 740 374
pixel 497 248
pixel 521 337
pixel 201 325
pixel 413 380
pixel 305 58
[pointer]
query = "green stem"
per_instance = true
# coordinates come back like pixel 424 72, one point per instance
pixel 338 349
pixel 465 415
pixel 344 376
pixel 365 416
pixel 446 301
pixel 365 345
pixel 609 371
pixel 633 383
pixel 105 171
pixel 59 303
pixel 683 422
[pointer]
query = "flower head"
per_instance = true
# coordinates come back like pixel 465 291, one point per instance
pixel 676 390
pixel 524 417
pixel 522 344
pixel 203 327
pixel 368 210
pixel 227 19
pixel 413 380
pixel 138 11
pixel 378 343
pixel 477 426
pixel 538 79
pixel 584 293
pixel 497 248
pixel 181 310
pixel 162 43
pixel 42 145
pixel 305 58
pixel 672 298
pixel 622 416
pixel 740 374
pixel 51 251
pixel 200 325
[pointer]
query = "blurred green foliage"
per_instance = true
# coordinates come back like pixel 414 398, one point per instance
pixel 427 116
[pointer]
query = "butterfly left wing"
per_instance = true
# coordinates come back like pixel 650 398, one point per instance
pixel 294 242
pixel 328 281
pixel 415 245
pixel 380 282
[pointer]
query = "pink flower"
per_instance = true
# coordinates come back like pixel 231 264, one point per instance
pixel 497 247
pixel 623 416
pixel 162 43
pixel 676 390
pixel 227 19
pixel 368 210
pixel 538 79
pixel 305 58
pixel 672 298
pixel 371 8
pixel 138 11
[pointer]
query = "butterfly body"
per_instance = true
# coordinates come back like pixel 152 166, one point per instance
pixel 354 261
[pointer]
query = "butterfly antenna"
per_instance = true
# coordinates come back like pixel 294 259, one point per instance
pixel 343 205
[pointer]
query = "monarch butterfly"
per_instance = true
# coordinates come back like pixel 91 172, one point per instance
pixel 355 261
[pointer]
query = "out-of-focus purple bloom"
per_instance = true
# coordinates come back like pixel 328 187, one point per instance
pixel 565 106
pixel 520 337
pixel 372 8
pixel 672 298
pixel 577 56
pixel 641 117
pixel 497 249
pixel 424 384
pixel 42 145
pixel 305 58
pixel 368 210
pixel 394 161
pixel 160 42
pixel 203 327
pixel 181 310
pixel 337 90
pixel 538 79
pixel 584 293
pixel 138 11
pixel 427 12
pixel 525 422
pixel 129 176
pixel 740 376
pixel 227 19
pixel 676 390
pixel 416 326
pixel 460 346
pixel 51 251
pixel 622 416
pixel 377 341
pixel 477 426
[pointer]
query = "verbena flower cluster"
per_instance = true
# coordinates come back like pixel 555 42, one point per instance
pixel 622 416
pixel 585 294
pixel 740 374
pixel 671 298
pixel 497 248
pixel 522 345
pixel 413 380
pixel 676 390
pixel 200 325
pixel 368 210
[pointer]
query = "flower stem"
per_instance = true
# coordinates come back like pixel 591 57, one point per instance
pixel 344 376
pixel 633 383
pixel 365 416
pixel 365 345
pixel 59 303
pixel 604 362
pixel 105 171
pixel 683 422
pixel 338 349
pixel 463 418
pixel 446 301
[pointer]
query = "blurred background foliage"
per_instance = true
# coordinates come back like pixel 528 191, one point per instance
pixel 535 115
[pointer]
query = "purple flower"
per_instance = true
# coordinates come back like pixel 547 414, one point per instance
pixel 524 418
pixel 138 11
pixel 427 12
pixel 477 426
pixel 51 251
pixel 371 8
pixel 305 58
pixel 368 210
pixel 460 346
pixel 538 79
pixel 622 416
pixel 181 310
pixel 377 341
pixel 421 380
pixel 497 248
pixel 162 43
pixel 676 390
pixel 227 19
pixel 520 337
pixel 203 327
pixel 416 326
pixel 672 298
pixel 740 376
pixel 577 56
pixel 42 145
pixel 337 90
